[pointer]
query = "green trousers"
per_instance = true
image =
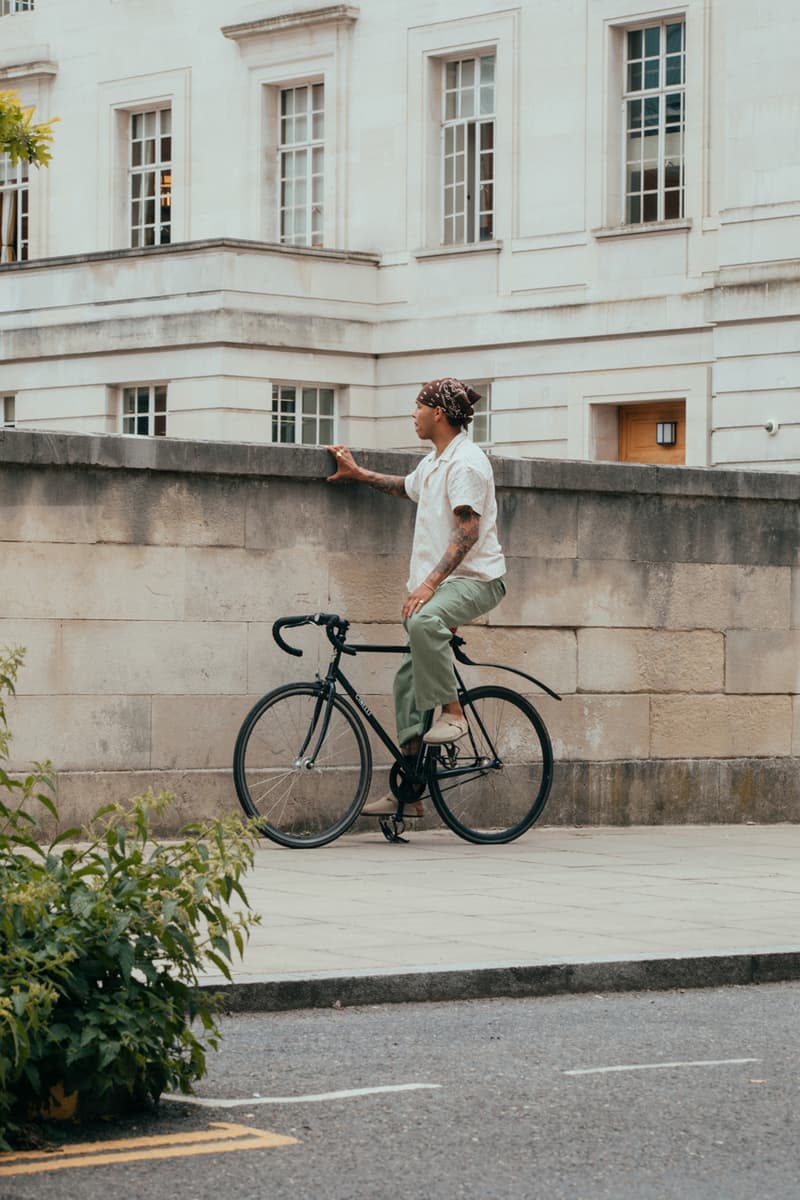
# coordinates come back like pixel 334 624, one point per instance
pixel 426 677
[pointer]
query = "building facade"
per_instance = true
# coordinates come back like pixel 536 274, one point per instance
pixel 271 222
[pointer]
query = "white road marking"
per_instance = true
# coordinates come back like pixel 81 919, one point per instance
pixel 347 1094
pixel 660 1066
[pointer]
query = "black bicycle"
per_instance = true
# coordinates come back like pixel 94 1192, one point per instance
pixel 303 762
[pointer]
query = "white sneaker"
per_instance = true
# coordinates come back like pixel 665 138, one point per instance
pixel 447 729
pixel 387 806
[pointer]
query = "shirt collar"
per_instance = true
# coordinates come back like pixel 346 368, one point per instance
pixel 451 447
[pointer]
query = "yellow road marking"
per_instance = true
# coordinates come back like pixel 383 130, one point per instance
pixel 220 1138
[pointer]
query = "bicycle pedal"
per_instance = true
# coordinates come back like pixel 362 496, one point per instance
pixel 392 829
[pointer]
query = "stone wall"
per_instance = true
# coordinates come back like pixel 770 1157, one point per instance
pixel 143 577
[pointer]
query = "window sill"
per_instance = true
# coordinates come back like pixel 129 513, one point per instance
pixel 651 227
pixel 450 251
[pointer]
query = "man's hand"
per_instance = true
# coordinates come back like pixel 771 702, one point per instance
pixel 346 465
pixel 416 599
pixel 348 469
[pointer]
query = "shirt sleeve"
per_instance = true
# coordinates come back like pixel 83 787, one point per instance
pixel 412 483
pixel 466 486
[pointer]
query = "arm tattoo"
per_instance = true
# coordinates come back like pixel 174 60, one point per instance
pixel 462 539
pixel 392 485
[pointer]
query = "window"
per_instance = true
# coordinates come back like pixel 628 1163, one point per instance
pixel 150 173
pixel 15 6
pixel 9 412
pixel 655 122
pixel 302 415
pixel 481 428
pixel 301 154
pixel 144 410
pixel 468 150
pixel 13 210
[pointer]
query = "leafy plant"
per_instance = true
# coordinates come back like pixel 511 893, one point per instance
pixel 102 944
pixel 19 137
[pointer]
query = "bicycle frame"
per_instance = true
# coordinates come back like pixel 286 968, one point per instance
pixel 336 675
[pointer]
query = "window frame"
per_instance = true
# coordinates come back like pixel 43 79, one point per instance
pixel 484 387
pixel 299 417
pixel 313 234
pixel 20 188
pixel 661 92
pixel 9 412
pixel 473 151
pixel 152 412
pixel 160 168
pixel 10 8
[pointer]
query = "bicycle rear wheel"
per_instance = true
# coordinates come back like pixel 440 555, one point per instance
pixel 302 792
pixel 492 784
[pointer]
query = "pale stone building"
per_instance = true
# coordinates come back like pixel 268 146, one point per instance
pixel 266 221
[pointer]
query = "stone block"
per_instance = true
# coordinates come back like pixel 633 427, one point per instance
pixel 368 589
pixel 338 517
pixel 47 506
pixel 653 527
pixel 759 661
pixel 577 592
pixel 635 792
pixel 170 510
pixel 248 585
pixel 154 657
pixel 198 795
pixel 721 726
pixel 196 732
pixel 650 660
pixel 723 597
pixel 81 732
pixel 41 672
pixel 596 728
pixel 85 582
pixel 546 654
pixel 534 524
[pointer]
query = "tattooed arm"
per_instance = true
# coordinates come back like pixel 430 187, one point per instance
pixel 348 469
pixel 462 538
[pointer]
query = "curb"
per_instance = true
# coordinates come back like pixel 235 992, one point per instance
pixel 492 982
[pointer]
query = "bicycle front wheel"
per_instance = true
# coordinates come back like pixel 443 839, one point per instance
pixel 302 766
pixel 492 784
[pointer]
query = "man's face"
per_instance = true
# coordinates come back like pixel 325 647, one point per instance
pixel 424 420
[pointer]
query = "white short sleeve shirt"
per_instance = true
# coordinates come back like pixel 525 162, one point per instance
pixel 461 475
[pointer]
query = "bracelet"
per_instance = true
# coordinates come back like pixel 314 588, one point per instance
pixel 428 585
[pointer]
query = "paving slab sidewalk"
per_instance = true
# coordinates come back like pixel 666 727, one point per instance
pixel 562 909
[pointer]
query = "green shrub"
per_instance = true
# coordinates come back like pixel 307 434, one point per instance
pixel 102 944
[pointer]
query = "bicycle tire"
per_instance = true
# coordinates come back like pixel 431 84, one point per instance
pixel 502 798
pixel 294 802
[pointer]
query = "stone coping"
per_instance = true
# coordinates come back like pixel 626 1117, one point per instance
pixel 21 447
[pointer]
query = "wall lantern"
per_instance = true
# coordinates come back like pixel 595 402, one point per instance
pixel 666 433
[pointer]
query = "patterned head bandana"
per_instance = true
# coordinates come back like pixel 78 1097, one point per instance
pixel 455 397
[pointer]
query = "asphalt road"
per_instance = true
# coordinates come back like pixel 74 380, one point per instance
pixel 692 1096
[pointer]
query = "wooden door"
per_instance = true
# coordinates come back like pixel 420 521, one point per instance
pixel 637 432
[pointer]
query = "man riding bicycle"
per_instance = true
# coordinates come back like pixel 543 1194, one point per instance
pixel 457 566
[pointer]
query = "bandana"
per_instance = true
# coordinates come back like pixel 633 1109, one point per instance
pixel 455 397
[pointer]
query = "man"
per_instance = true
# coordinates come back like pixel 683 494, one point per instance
pixel 457 565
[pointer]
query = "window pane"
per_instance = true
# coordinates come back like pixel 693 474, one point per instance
pixel 651 73
pixel 325 431
pixel 309 431
pixel 674 38
pixel 635 44
pixel 309 400
pixel 326 401
pixel 652 41
pixel 635 77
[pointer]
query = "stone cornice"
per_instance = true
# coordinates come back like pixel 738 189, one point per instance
pixel 334 14
pixel 28 70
